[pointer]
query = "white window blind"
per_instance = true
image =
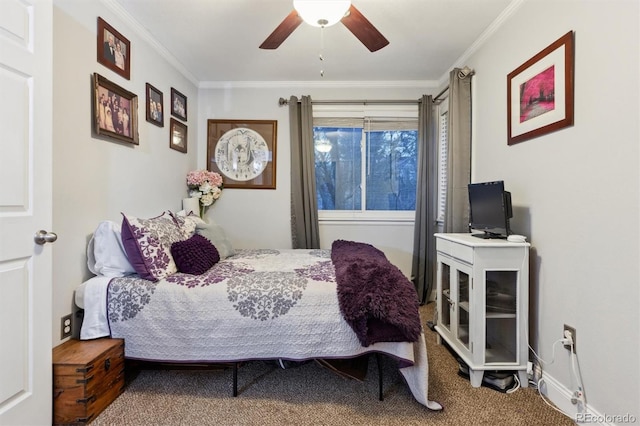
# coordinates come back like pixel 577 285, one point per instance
pixel 442 162
pixel 368 123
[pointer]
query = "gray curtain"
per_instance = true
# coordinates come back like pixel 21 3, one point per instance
pixel 304 204
pixel 456 218
pixel 424 250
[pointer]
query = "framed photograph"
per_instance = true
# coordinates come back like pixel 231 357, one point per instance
pixel 177 135
pixel 155 106
pixel 540 92
pixel 115 111
pixel 243 152
pixel 178 105
pixel 114 50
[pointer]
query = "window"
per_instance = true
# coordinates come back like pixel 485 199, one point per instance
pixel 366 166
pixel 338 170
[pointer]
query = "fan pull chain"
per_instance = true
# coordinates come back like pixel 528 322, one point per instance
pixel 320 56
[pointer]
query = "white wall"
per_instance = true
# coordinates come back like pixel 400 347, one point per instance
pixel 261 218
pixel 575 192
pixel 96 179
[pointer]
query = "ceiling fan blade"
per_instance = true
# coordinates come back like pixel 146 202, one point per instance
pixel 284 30
pixel 364 30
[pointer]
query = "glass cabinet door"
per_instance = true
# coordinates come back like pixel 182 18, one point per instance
pixel 501 313
pixel 464 291
pixel 445 302
pixel 454 304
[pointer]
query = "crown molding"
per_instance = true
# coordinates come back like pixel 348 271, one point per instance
pixel 482 39
pixel 426 84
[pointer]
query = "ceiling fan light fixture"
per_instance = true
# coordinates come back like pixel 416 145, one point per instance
pixel 321 13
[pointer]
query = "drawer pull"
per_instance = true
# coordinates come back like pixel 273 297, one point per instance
pixel 86 400
pixel 84 419
pixel 85 369
pixel 84 381
pixel 107 364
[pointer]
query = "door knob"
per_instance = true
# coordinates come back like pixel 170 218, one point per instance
pixel 42 237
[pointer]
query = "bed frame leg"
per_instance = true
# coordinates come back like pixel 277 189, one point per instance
pixel 379 362
pixel 235 379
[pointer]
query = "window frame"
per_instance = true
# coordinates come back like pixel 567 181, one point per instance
pixel 362 112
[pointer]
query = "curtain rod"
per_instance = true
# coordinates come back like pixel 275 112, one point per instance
pixel 462 73
pixel 283 101
pixel 437 98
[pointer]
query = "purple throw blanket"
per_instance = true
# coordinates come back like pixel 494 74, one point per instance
pixel 376 299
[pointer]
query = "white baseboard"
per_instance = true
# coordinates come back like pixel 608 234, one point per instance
pixel 560 396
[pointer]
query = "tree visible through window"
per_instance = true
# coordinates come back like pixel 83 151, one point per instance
pixel 339 170
pixel 371 167
pixel 391 170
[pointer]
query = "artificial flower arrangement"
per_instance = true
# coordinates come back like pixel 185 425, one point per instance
pixel 206 186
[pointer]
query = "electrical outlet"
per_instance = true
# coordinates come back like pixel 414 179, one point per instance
pixel 66 328
pixel 573 336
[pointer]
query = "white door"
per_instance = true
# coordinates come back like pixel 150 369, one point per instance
pixel 26 32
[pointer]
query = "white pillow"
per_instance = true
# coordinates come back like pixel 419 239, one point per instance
pixel 213 232
pixel 105 252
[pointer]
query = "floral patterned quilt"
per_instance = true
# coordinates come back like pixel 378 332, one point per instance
pixel 256 304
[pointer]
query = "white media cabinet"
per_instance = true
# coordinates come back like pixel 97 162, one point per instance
pixel 483 302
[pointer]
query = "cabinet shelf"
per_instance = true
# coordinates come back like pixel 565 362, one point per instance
pixel 498 354
pixel 500 315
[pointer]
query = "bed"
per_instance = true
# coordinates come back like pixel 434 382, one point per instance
pixel 262 304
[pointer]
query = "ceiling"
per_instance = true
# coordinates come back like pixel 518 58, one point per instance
pixel 217 40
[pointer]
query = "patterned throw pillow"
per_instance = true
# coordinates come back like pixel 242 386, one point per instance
pixel 187 223
pixel 147 243
pixel 194 256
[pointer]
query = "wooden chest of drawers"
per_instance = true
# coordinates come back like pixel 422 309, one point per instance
pixel 87 376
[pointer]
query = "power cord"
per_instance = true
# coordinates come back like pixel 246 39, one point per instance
pixel 565 341
pixel 579 395
pixel 516 387
pixel 553 353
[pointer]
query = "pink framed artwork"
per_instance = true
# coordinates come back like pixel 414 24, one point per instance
pixel 540 92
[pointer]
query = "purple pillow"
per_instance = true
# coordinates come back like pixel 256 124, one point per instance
pixel 195 255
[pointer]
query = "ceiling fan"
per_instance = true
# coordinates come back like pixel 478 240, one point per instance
pixel 319 13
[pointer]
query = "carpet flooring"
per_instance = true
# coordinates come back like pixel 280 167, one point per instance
pixel 309 394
